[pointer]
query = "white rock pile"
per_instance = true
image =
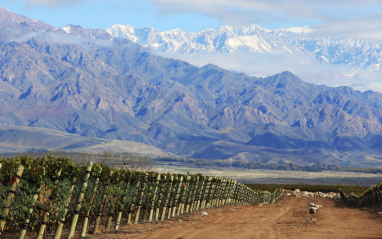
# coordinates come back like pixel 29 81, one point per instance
pixel 299 193
pixel 313 208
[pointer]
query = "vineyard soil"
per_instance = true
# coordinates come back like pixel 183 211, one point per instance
pixel 288 218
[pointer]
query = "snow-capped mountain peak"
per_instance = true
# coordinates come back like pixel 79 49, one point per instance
pixel 67 29
pixel 251 38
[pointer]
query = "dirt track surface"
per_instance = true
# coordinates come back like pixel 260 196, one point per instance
pixel 288 218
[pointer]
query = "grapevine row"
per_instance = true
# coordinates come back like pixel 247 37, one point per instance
pixel 55 198
pixel 370 198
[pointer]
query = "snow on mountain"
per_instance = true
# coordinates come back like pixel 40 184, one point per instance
pixel 253 38
pixel 67 29
pixel 222 40
pixel 341 50
pixel 334 50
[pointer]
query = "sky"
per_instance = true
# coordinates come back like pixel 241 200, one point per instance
pixel 362 17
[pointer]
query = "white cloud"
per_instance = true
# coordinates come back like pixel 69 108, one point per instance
pixel 307 68
pixel 50 37
pixel 257 11
pixel 367 28
pixel 53 3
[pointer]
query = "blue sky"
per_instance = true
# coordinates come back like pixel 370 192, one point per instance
pixel 197 15
pixel 104 14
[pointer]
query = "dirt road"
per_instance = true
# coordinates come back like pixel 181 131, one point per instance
pixel 288 218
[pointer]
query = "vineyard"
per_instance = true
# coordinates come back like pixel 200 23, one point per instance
pixel 371 198
pixel 56 198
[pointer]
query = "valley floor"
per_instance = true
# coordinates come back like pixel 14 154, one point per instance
pixel 267 176
pixel 288 218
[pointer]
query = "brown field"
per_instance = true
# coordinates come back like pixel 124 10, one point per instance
pixel 288 218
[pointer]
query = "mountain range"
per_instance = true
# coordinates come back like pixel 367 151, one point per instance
pixel 359 54
pixel 88 83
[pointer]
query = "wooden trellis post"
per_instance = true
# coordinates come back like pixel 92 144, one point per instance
pixel 36 194
pixel 111 213
pixel 189 196
pixel 231 190
pixel 79 200
pixel 194 194
pixel 131 210
pixel 211 193
pixel 228 195
pixel 141 198
pixel 86 218
pixel 240 195
pixel 244 195
pixel 226 198
pixel 166 203
pixel 103 202
pixel 177 196
pixel 153 200
pixel 159 203
pixel 45 218
pixel 200 194
pixel 225 190
pixel 60 223
pixel 172 198
pixel 235 196
pixel 206 192
pixel 216 192
pixel 147 202
pixel 221 191
pixel 119 217
pixel 183 198
pixel 11 194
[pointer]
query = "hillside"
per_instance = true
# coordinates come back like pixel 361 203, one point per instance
pixel 21 138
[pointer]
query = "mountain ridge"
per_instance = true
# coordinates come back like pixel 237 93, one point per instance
pixel 351 56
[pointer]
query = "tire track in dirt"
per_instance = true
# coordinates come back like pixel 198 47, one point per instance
pixel 288 218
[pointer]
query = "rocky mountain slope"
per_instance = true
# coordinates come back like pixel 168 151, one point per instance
pixel 15 139
pixel 117 90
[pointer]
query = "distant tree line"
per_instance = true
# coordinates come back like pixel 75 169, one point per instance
pixel 124 160
pixel 273 166
pixel 135 162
